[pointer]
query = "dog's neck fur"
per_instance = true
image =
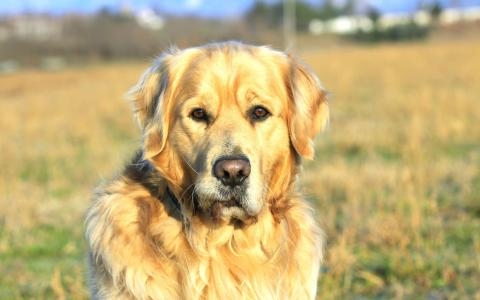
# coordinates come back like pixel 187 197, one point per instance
pixel 174 259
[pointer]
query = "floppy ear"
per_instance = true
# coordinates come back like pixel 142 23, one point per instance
pixel 150 107
pixel 308 109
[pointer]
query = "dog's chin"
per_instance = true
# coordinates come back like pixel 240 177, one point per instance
pixel 228 210
pixel 222 205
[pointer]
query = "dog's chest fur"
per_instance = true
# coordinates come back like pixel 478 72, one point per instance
pixel 142 249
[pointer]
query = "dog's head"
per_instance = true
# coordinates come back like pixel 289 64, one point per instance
pixel 226 125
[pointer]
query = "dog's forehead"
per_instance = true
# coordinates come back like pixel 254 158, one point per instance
pixel 236 66
pixel 227 56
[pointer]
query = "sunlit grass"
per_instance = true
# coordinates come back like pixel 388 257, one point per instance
pixel 396 178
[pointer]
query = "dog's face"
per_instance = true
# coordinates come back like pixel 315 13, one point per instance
pixel 226 124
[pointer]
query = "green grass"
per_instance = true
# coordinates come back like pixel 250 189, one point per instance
pixel 30 261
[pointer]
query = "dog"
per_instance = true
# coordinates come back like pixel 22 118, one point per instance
pixel 208 208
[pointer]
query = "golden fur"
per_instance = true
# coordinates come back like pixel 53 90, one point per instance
pixel 153 232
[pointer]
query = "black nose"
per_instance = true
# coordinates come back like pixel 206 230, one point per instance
pixel 232 171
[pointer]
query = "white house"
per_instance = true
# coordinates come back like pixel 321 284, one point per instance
pixel 341 25
pixel 351 24
pixel 33 27
pixel 452 15
pixel 148 18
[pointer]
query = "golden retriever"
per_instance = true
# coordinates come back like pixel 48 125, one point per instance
pixel 208 209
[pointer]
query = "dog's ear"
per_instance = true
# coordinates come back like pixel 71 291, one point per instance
pixel 151 106
pixel 308 112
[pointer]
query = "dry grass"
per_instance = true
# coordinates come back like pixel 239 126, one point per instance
pixel 396 179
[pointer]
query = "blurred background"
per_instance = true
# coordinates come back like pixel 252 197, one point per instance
pixel 396 180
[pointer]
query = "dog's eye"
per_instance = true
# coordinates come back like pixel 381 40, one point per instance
pixel 259 113
pixel 199 114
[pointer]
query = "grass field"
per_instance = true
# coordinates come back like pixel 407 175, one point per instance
pixel 396 179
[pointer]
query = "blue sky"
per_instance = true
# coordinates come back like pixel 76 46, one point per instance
pixel 207 8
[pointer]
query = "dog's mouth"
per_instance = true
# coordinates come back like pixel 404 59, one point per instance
pixel 230 203
pixel 227 210
pixel 219 207
pixel 225 206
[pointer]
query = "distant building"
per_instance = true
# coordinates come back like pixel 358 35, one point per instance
pixel 351 24
pixel 148 18
pixel 31 27
pixel 452 15
pixel 341 25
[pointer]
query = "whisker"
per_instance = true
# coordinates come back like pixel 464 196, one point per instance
pixel 265 187
pixel 186 190
pixel 191 167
